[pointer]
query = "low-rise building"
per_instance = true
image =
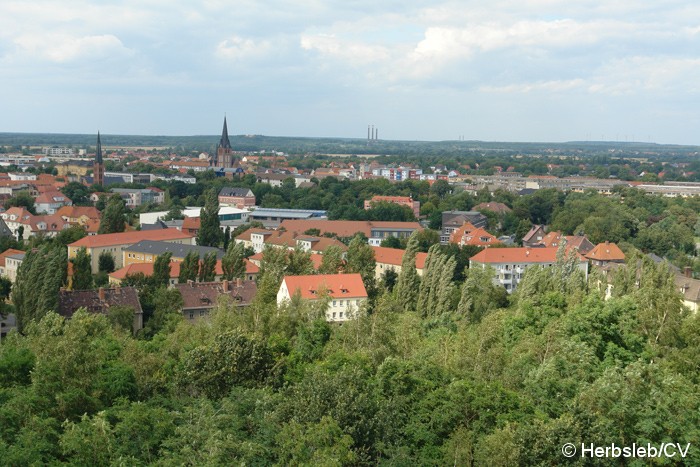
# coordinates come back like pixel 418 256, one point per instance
pixel 199 298
pixel 534 236
pixel 241 198
pixel 509 264
pixel 12 264
pixel 135 197
pixel 115 278
pixel 147 251
pixel 116 243
pixel 100 301
pixel 345 293
pixel 375 231
pixel 468 235
pixel 605 253
pixel 392 258
pixel 50 202
pixel 453 220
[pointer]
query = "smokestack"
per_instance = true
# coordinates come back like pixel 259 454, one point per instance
pixel 238 282
pixel 224 285
pixel 368 134
pixel 688 271
pixel 101 293
pixel 376 134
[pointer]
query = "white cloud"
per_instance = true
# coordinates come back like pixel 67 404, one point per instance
pixel 238 48
pixel 63 48
pixel 355 53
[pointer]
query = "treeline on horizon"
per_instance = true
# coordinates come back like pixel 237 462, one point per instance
pixel 359 146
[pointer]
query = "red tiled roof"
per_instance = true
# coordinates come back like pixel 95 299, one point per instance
pixel 345 228
pixel 477 237
pixel 335 285
pixel 79 211
pixel 517 255
pixel 147 269
pixel 606 252
pixel 6 253
pixel 394 256
pixel 494 206
pixel 128 238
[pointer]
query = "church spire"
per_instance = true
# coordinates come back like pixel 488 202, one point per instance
pixel 224 142
pixel 98 153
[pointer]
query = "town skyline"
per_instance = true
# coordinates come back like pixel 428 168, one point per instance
pixel 426 71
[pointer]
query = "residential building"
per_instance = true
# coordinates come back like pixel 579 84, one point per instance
pixel 115 278
pixel 51 202
pixel 392 258
pixel 200 298
pixel 19 220
pixel 689 288
pixel 241 198
pixel 453 220
pixel 534 236
pixel 257 239
pixel 135 197
pixel 509 264
pixel 116 243
pixel 147 251
pixel 79 215
pixel 375 231
pixel 100 301
pixel 3 257
pixel 578 242
pixel 468 235
pixel 345 293
pixel 407 201
pixel 498 208
pixel 605 253
pixel 225 214
pixel 12 264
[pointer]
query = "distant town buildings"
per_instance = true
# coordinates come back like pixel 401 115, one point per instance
pixel 407 201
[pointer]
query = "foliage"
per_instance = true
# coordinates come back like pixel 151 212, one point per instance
pixel 82 270
pixel 114 216
pixel 105 262
pixel 210 233
pixel 233 262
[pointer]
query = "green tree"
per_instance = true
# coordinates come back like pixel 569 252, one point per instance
pixel 23 199
pixel 322 443
pixel 409 282
pixel 161 270
pixel 71 234
pixel 360 259
pixel 114 216
pixel 189 268
pixel 210 231
pixel 233 262
pixel 82 270
pixel 207 269
pixel 105 262
pixel 332 260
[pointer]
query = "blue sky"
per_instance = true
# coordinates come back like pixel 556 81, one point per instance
pixel 505 70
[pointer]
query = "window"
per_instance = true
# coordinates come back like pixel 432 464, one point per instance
pixel 191 314
pixel 341 314
pixel 334 303
pixel 334 315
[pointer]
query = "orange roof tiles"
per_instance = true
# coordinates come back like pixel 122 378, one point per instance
pixel 335 285
pixel 345 228
pixel 126 238
pixel 394 256
pixel 6 253
pixel 147 269
pixel 606 252
pixel 517 255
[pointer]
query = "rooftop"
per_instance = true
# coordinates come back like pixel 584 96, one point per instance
pixel 335 285
pixel 128 238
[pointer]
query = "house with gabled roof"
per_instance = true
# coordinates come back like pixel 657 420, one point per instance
pixel 200 298
pixel 345 293
pixel 241 198
pixel 392 259
pixel 473 236
pixel 100 301
pixel 534 236
pixel 605 253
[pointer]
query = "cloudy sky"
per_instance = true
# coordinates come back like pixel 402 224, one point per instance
pixel 507 70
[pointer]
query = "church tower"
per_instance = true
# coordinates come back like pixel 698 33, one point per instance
pixel 224 154
pixel 98 177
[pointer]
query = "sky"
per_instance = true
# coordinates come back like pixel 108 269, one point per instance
pixel 502 70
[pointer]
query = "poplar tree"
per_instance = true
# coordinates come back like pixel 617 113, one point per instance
pixel 361 260
pixel 189 268
pixel 233 262
pixel 409 281
pixel 82 270
pixel 161 270
pixel 210 228
pixel 207 270
pixel 332 260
